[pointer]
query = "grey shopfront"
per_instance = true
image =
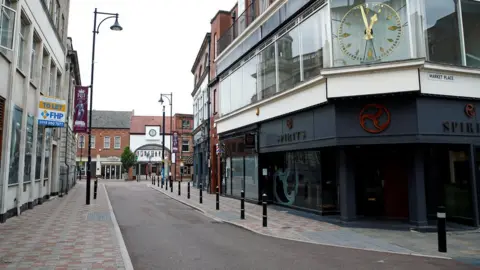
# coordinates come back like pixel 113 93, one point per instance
pixel 395 158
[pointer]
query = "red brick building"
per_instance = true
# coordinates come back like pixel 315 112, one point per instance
pixel 110 136
pixel 146 141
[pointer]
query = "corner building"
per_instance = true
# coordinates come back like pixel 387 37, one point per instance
pixel 325 112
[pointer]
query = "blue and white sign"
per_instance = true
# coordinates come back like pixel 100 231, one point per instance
pixel 51 112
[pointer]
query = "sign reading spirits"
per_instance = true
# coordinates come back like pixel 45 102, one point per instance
pixel 292 137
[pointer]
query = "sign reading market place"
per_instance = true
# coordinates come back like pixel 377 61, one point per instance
pixel 51 112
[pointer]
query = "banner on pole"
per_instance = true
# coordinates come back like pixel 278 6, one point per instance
pixel 175 142
pixel 81 109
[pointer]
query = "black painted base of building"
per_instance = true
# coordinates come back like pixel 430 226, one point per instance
pixel 384 158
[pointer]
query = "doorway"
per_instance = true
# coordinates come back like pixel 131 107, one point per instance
pixel 381 181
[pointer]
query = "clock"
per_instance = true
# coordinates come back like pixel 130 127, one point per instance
pixel 370 32
pixel 152 133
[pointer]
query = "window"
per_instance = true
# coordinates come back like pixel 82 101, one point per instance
pixel 185 170
pixel 44 76
pixel 81 141
pixel 22 43
pixel 471 30
pixel 56 16
pixel 28 150
pixel 48 147
pixel 215 38
pixel 106 142
pixel 200 72
pixel 92 142
pixel 185 124
pixel 51 86
pixel 442 32
pixel 7 24
pixel 62 27
pixel 34 57
pixel 117 142
pixel 185 145
pixel 38 163
pixel 15 146
pixel 214 101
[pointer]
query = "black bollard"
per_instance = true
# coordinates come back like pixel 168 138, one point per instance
pixel 441 229
pixel 218 199
pixel 161 181
pixel 264 203
pixel 179 189
pixel 201 199
pixel 95 187
pixel 171 185
pixel 242 205
pixel 188 190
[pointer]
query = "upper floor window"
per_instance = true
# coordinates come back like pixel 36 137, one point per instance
pixel 92 142
pixel 81 141
pixel 34 57
pixel 106 142
pixel 117 142
pixel 215 38
pixel 22 43
pixel 7 24
pixel 185 145
pixel 185 124
pixel 51 87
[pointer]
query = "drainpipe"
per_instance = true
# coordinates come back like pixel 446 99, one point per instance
pixel 68 127
pixel 209 161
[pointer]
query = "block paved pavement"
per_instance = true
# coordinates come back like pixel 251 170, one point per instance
pixel 294 227
pixel 64 233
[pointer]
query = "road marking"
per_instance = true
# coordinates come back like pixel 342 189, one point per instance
pixel 123 248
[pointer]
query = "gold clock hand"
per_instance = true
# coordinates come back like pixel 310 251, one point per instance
pixel 373 20
pixel 367 29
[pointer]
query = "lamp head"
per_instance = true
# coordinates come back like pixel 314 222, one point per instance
pixel 161 99
pixel 116 26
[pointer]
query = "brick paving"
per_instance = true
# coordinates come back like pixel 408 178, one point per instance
pixel 63 233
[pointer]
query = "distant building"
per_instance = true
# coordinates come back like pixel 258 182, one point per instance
pixel 110 136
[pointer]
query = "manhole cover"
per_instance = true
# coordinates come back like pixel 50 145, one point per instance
pixel 216 222
pixel 286 227
pixel 98 216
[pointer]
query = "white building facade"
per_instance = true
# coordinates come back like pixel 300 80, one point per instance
pixel 316 96
pixel 33 49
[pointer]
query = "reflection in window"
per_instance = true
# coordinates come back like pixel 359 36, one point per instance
pixel 251 177
pixel 237 176
pixel 389 32
pixel 28 150
pixel 250 81
pixel 236 89
pixel 442 32
pixel 471 29
pixel 39 152
pixel 312 46
pixel 267 75
pixel 225 96
pixel 288 58
pixel 15 146
pixel 48 146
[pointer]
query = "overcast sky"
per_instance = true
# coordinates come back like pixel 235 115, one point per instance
pixel 153 54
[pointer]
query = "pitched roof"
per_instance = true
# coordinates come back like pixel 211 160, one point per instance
pixel 111 119
pixel 139 122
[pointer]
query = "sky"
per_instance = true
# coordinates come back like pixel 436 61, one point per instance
pixel 153 54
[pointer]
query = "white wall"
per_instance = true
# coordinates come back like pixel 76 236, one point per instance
pixel 137 141
pixel 450 83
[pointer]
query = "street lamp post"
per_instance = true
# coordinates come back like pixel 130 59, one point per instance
pixel 115 27
pixel 169 97
pixel 163 147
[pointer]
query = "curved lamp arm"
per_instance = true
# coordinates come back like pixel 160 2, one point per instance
pixel 109 17
pixel 167 96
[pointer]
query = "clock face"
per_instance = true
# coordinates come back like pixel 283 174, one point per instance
pixel 152 132
pixel 370 32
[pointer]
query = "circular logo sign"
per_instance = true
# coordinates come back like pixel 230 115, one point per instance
pixel 152 132
pixel 470 110
pixel 374 118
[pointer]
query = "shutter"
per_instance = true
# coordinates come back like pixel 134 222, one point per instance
pixel 2 114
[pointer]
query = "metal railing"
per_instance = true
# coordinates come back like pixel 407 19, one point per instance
pixel 239 25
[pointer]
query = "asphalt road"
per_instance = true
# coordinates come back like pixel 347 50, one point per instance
pixel 161 233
